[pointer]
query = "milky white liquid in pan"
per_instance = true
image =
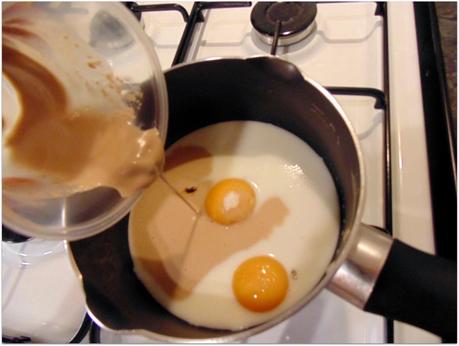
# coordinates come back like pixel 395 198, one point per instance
pixel 187 261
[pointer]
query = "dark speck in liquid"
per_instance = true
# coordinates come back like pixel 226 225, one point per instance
pixel 191 189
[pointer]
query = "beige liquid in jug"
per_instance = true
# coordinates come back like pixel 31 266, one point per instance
pixel 67 128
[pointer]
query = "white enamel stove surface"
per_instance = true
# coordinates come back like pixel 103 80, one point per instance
pixel 346 50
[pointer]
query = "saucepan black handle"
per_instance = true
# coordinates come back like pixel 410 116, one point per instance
pixel 419 289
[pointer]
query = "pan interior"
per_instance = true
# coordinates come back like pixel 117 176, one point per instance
pixel 200 94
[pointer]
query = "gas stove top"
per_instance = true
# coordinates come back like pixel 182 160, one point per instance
pixel 366 55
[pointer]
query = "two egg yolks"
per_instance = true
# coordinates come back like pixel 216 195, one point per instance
pixel 259 284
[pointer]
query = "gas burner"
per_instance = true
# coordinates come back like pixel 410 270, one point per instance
pixel 294 20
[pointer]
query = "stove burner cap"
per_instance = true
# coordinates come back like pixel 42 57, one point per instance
pixel 297 20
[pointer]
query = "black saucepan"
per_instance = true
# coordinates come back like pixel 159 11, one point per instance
pixel 369 268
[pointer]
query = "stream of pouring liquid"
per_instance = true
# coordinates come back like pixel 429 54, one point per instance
pixel 163 178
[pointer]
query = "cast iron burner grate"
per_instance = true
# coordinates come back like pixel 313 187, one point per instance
pixel 291 22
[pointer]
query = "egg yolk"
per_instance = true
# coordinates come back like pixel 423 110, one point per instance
pixel 260 284
pixel 230 201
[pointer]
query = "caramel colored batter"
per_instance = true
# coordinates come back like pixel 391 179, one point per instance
pixel 75 145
